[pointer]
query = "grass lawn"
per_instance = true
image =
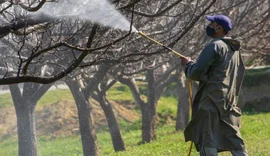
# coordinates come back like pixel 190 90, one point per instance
pixel 255 131
pixel 48 98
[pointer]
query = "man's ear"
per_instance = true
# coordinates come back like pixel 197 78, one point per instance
pixel 219 28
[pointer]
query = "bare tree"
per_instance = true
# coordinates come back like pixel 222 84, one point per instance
pixel 43 49
pixel 39 48
pixel 87 128
pixel 183 106
pixel 157 81
pixel 114 128
pixel 82 88
pixel 49 38
pixel 25 104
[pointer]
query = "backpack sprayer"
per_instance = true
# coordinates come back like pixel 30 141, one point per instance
pixel 180 56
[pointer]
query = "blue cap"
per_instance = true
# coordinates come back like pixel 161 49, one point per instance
pixel 222 20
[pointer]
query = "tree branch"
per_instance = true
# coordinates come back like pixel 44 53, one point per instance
pixel 158 13
pixel 33 9
pixel 25 22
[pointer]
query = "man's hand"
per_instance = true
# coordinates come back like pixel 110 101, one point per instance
pixel 185 60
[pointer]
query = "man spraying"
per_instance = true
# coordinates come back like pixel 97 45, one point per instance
pixel 215 122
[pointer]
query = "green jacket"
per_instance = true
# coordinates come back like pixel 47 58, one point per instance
pixel 215 116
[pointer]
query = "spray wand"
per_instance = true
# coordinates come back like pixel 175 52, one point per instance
pixel 168 48
pixel 188 80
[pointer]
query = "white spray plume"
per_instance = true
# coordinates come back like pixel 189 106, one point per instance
pixel 96 11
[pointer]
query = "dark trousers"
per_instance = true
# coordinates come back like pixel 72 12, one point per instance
pixel 207 151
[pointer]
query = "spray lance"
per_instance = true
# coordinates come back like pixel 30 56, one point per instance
pixel 180 56
pixel 168 48
pixel 176 53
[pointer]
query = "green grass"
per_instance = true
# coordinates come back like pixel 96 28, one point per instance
pixel 49 97
pixel 9 146
pixel 167 105
pixel 5 101
pixel 60 147
pixel 120 92
pixel 255 131
pixel 53 96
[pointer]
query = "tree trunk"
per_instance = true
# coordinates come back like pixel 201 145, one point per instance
pixel 27 141
pixel 183 107
pixel 131 83
pixel 117 140
pixel 26 131
pixel 149 111
pixel 148 117
pixel 87 129
pixel 149 123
